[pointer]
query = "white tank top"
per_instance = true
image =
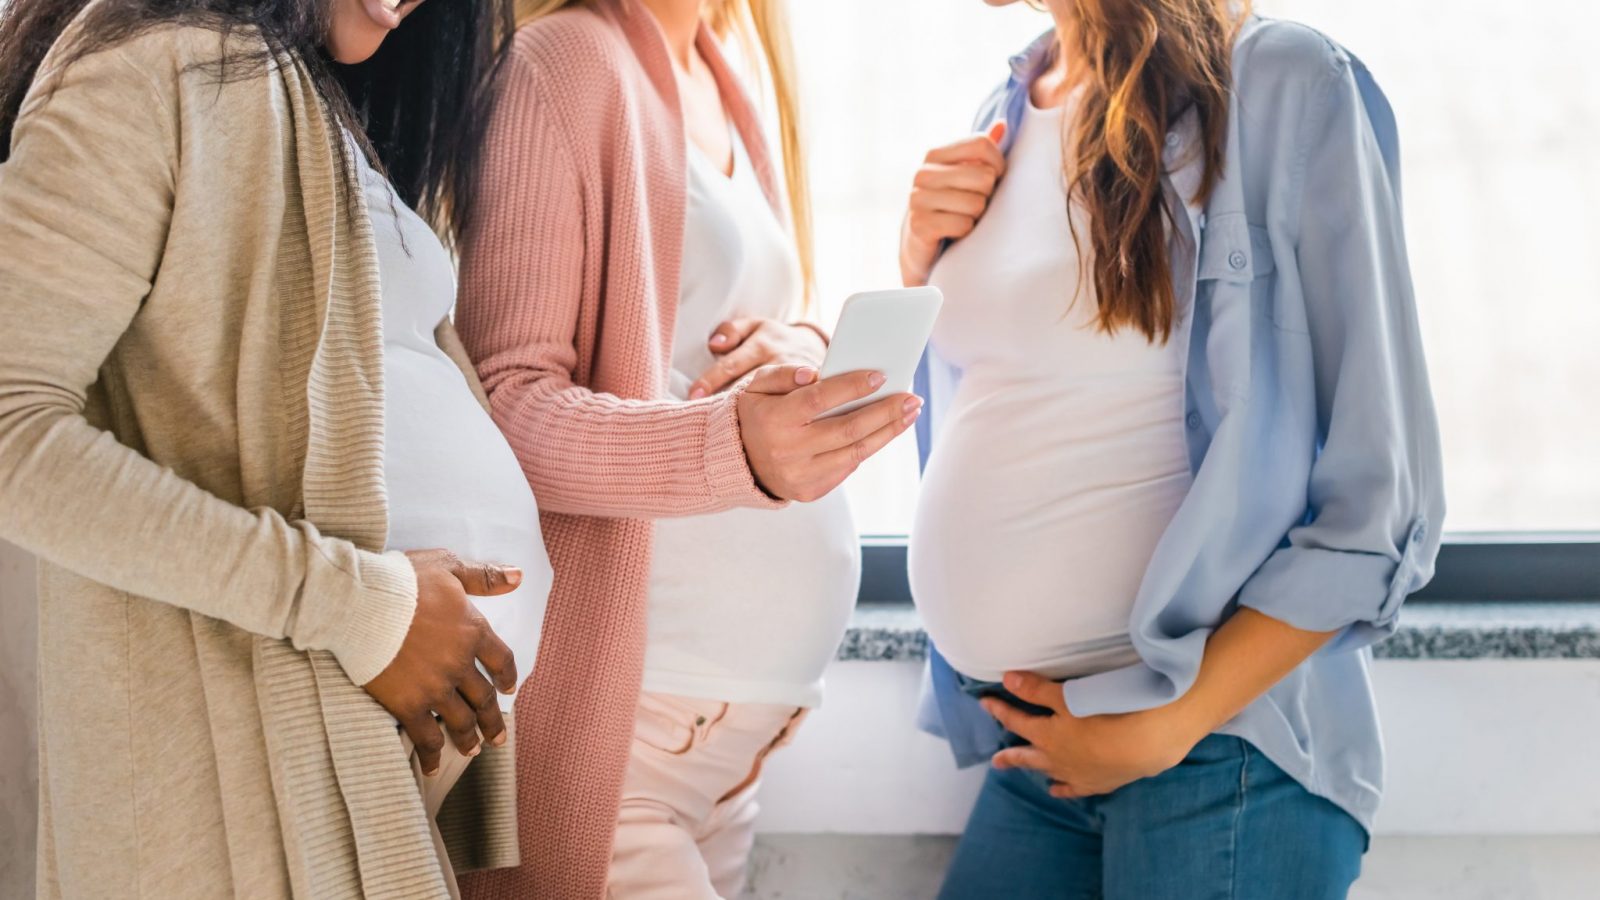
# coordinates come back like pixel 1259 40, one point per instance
pixel 453 481
pixel 746 606
pixel 1062 458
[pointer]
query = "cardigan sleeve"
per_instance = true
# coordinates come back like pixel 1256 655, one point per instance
pixel 86 201
pixel 523 270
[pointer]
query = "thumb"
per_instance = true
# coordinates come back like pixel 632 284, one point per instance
pixel 1036 690
pixel 781 379
pixel 486 579
pixel 997 132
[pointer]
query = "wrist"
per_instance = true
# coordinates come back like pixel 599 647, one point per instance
pixel 913 273
pixel 1181 726
pixel 916 258
pixel 815 329
pixel 753 471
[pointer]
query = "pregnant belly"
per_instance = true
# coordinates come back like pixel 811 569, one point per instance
pixel 1037 518
pixel 454 484
pixel 758 595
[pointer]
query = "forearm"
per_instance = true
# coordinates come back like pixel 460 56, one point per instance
pixel 80 499
pixel 592 454
pixel 1244 658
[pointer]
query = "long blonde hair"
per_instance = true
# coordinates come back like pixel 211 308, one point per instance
pixel 763 24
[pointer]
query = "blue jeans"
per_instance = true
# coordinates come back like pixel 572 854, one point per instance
pixel 1225 823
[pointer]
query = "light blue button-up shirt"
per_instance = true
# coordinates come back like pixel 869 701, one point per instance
pixel 1317 495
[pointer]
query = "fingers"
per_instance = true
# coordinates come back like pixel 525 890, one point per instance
pixel 485 579
pixel 1022 758
pixel 497 659
pixel 730 368
pixel 955 177
pixel 1015 720
pixel 931 201
pixel 731 334
pixel 976 149
pixel 814 400
pixel 847 459
pixel 426 737
pixel 480 695
pixel 933 227
pixel 978 180
pixel 460 722
pixel 855 426
pixel 1037 690
pixel 782 379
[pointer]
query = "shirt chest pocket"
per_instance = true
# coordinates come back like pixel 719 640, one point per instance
pixel 1236 261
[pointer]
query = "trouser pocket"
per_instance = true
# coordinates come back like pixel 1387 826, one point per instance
pixel 674 725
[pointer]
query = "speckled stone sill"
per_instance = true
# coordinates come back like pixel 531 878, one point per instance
pixel 1431 630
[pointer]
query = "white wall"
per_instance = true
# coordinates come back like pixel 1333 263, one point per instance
pixel 18 760
pixel 1490 747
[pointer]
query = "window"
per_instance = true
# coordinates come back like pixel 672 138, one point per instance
pixel 1499 113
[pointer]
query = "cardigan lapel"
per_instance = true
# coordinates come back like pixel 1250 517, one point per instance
pixel 745 119
pixel 348 785
pixel 667 218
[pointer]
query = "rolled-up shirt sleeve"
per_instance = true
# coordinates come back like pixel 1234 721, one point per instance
pixel 1375 497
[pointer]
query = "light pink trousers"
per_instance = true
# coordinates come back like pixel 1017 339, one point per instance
pixel 689 799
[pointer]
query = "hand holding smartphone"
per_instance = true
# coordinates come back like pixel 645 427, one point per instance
pixel 882 331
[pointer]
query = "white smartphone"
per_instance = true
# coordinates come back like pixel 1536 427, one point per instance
pixel 882 330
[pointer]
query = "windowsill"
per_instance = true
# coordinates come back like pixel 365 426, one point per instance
pixel 1432 629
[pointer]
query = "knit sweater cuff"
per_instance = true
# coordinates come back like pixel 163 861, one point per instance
pixel 727 466
pixel 378 616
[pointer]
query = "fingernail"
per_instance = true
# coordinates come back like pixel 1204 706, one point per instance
pixel 911 403
pixel 476 749
pixel 805 375
pixel 1012 681
pixel 876 379
pixel 499 739
pixel 719 339
pixel 697 393
pixel 430 773
pixel 912 416
pixel 513 575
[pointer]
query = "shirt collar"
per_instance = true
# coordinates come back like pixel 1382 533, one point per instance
pixel 1027 65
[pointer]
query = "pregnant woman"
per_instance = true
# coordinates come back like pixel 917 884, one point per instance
pixel 633 259
pixel 224 393
pixel 1184 463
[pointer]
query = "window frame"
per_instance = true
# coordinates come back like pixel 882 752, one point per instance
pixel 1487 567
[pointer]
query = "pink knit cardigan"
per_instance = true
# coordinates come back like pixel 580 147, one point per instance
pixel 569 290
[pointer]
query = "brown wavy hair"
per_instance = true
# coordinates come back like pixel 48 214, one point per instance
pixel 1145 64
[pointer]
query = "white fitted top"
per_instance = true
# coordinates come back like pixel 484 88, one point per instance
pixel 746 606
pixel 1062 458
pixel 452 480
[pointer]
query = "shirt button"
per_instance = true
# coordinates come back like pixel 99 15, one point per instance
pixel 1236 259
pixel 1172 140
pixel 1193 421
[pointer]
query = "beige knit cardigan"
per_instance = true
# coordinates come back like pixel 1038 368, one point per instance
pixel 191 439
